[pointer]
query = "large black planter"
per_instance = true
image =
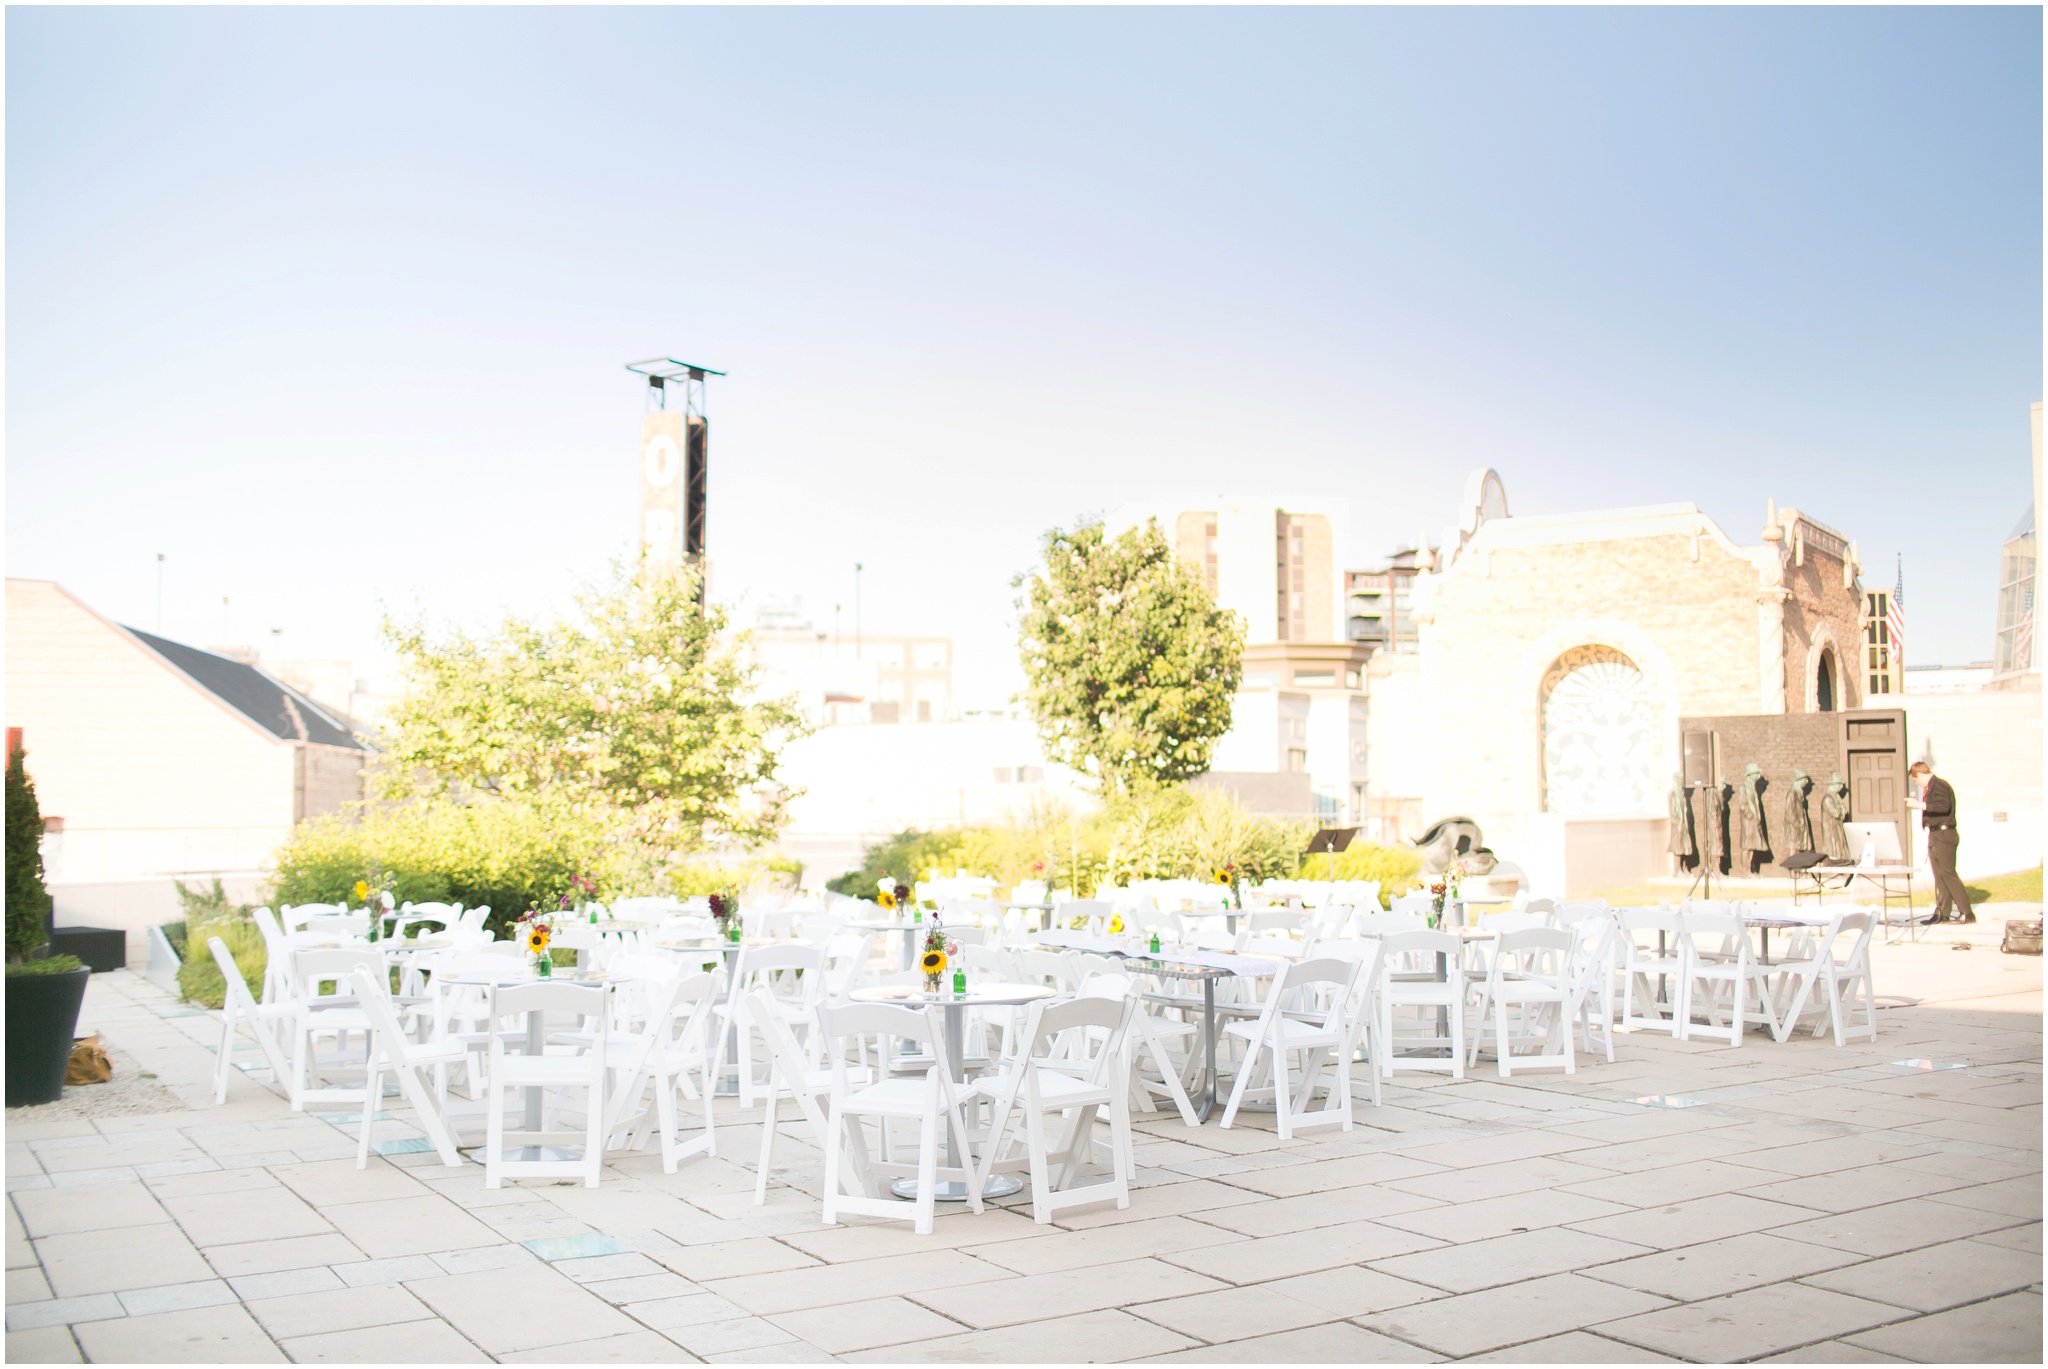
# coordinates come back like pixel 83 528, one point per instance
pixel 42 1012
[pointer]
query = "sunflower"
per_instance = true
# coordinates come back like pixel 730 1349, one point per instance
pixel 887 900
pixel 1116 924
pixel 537 939
pixel 362 890
pixel 1223 876
pixel 934 962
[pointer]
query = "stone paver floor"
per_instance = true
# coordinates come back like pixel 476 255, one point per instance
pixel 1817 1204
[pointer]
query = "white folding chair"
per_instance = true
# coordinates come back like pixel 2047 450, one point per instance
pixel 1322 1045
pixel 794 976
pixel 671 1044
pixel 323 994
pixel 1646 969
pixel 931 1101
pixel 1532 972
pixel 1077 1087
pixel 791 1071
pixel 1731 966
pixel 392 1050
pixel 277 957
pixel 237 1008
pixel 1444 996
pixel 1843 983
pixel 585 1071
pixel 1593 981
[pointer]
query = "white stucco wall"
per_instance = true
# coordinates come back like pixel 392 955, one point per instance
pixel 151 775
pixel 1987 743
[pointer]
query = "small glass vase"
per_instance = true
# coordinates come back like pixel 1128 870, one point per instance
pixel 931 983
pixel 544 965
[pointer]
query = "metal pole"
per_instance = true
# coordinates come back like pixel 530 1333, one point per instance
pixel 159 593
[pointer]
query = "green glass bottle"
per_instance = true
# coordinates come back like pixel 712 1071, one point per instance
pixel 960 983
pixel 1155 943
pixel 545 966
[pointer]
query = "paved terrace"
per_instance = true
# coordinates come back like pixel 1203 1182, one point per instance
pixel 1818 1204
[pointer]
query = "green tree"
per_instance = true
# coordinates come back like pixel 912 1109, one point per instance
pixel 1130 664
pixel 28 901
pixel 641 710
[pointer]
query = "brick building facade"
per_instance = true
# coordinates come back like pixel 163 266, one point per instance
pixel 1559 653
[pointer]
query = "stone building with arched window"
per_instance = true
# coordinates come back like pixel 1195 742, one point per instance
pixel 1557 654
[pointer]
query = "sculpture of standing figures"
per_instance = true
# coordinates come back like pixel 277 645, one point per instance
pixel 1685 845
pixel 1798 816
pixel 1834 811
pixel 1756 838
pixel 1722 854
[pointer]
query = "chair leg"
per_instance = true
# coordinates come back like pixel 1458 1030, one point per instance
pixel 767 1157
pixel 593 1130
pixel 1503 1056
pixel 494 1133
pixel 1041 1180
pixel 373 1087
pixel 227 1056
pixel 834 1143
pixel 927 1164
pixel 1242 1084
pixel 665 1108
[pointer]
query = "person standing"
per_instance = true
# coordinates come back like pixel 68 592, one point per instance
pixel 1938 815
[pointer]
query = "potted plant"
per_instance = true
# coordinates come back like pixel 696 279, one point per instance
pixel 43 991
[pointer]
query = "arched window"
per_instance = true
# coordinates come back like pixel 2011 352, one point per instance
pixel 1824 683
pixel 1598 735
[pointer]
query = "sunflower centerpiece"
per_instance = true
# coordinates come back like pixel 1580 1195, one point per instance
pixel 938 953
pixel 536 932
pixel 895 897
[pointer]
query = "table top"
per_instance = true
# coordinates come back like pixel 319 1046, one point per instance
pixel 897 926
pixel 978 995
pixel 525 975
pixel 719 943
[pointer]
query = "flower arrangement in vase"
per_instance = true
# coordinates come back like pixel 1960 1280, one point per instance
pixel 1440 887
pixel 1232 878
pixel 725 911
pixel 376 900
pixel 536 931
pixel 938 953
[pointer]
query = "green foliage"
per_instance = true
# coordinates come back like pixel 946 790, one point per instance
pixel 1130 664
pixel 199 977
pixel 28 900
pixel 56 964
pixel 693 878
pixel 640 712
pixel 907 856
pixel 209 905
pixel 1397 868
pixel 511 854
pixel 1166 832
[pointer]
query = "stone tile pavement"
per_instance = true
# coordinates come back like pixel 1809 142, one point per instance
pixel 1813 1204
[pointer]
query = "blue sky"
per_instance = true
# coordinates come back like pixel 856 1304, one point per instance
pixel 330 305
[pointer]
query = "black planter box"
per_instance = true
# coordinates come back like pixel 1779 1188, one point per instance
pixel 101 948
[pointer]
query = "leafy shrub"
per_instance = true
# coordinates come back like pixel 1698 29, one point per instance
pixel 199 977
pixel 1164 832
pixel 509 855
pixel 28 900
pixel 1397 868
pixel 56 964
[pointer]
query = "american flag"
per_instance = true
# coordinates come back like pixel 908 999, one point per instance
pixel 1895 621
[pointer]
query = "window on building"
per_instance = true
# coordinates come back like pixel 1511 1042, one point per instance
pixel 1290 578
pixel 1599 730
pixel 1297 760
pixel 1824 683
pixel 1878 663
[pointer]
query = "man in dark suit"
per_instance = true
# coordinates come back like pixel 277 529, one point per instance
pixel 1938 815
